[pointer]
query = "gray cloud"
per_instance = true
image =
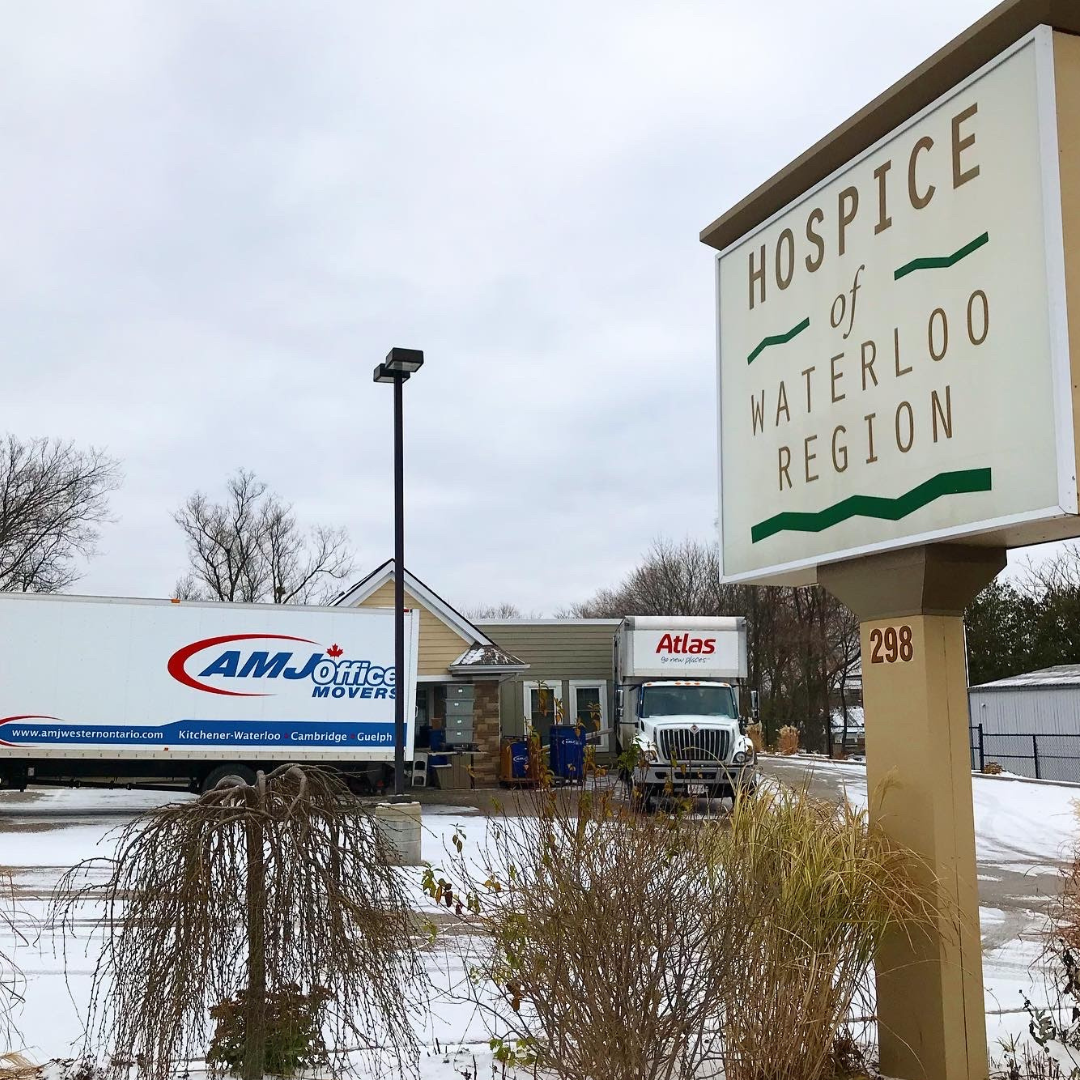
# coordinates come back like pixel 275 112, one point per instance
pixel 217 217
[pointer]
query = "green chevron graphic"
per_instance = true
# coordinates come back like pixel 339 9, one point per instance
pixel 942 262
pixel 778 339
pixel 961 482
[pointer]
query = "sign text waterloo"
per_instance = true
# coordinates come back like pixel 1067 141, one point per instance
pixel 893 346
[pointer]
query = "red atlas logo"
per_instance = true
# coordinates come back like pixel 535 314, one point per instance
pixel 684 644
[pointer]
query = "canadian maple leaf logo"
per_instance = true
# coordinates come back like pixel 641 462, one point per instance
pixel 335 650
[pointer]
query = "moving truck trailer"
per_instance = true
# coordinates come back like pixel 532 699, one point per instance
pixel 678 706
pixel 156 693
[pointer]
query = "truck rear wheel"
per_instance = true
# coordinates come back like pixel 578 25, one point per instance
pixel 237 773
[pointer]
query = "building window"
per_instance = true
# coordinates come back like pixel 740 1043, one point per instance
pixel 588 707
pixel 542 705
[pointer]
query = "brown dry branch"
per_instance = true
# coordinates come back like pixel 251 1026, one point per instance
pixel 595 945
pixel 239 895
pixel 11 977
pixel 16 1066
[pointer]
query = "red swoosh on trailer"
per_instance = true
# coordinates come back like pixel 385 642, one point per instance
pixel 26 716
pixel 181 657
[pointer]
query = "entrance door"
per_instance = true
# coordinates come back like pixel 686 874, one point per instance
pixel 588 706
pixel 542 705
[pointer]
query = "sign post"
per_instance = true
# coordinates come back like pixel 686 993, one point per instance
pixel 897 409
pixel 910 605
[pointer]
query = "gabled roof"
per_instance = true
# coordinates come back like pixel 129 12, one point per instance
pixel 487 659
pixel 358 593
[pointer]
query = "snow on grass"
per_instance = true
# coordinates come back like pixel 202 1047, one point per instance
pixel 1021 828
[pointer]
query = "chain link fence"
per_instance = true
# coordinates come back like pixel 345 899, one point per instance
pixel 1040 756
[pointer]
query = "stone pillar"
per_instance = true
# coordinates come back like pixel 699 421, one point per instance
pixel 931 1010
pixel 487 733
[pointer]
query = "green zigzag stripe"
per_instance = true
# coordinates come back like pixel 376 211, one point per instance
pixel 778 339
pixel 942 262
pixel 871 506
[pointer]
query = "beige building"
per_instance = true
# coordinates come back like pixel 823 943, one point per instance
pixel 480 681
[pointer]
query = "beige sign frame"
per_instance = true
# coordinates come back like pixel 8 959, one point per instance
pixel 1059 149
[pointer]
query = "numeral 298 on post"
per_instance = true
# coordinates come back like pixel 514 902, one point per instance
pixel 891 644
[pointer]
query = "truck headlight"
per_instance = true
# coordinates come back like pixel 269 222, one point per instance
pixel 743 757
pixel 646 749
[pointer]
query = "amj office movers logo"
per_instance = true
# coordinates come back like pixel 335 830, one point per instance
pixel 239 668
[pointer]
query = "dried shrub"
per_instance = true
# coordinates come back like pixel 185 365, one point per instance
pixel 992 768
pixel 757 737
pixel 248 891
pixel 788 740
pixel 1023 1062
pixel 813 888
pixel 293 1041
pixel 597 948
pixel 12 979
pixel 15 1066
pixel 1055 1028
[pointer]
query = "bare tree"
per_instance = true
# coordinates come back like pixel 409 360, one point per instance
pixel 53 498
pixel 250 548
pixel 272 908
pixel 802 644
pixel 505 610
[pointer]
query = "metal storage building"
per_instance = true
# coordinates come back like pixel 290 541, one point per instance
pixel 1029 724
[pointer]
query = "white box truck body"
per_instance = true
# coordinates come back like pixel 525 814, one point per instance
pixel 677 683
pixel 96 689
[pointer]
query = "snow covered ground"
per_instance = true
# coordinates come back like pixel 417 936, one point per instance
pixel 1024 832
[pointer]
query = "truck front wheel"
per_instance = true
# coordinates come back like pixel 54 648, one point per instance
pixel 237 773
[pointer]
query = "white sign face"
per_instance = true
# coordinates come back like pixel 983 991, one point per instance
pixel 693 654
pixel 893 350
pixel 142 679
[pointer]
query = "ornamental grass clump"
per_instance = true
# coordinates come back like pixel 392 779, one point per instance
pixel 596 948
pixel 814 888
pixel 272 909
pixel 787 741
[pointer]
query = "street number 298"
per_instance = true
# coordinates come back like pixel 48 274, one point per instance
pixel 891 644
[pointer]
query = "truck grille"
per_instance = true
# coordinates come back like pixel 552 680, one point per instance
pixel 691 747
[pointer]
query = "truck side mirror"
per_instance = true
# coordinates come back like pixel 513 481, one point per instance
pixel 618 704
pixel 755 710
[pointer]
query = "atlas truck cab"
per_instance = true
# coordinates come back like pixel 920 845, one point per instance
pixel 677 703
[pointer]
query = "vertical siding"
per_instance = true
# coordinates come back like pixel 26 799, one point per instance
pixel 1051 712
pixel 439 645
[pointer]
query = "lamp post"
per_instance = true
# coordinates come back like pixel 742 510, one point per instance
pixel 396 368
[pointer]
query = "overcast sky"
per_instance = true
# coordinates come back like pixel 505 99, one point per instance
pixel 217 217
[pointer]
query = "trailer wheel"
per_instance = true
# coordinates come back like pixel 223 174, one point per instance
pixel 238 773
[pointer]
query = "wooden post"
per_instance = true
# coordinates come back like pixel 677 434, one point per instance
pixel 931 1010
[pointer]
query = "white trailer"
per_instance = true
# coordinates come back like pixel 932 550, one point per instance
pixel 677 682
pixel 152 693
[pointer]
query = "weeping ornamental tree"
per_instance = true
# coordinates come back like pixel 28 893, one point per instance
pixel 272 908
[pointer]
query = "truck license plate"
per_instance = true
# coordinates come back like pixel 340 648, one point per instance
pixel 695 789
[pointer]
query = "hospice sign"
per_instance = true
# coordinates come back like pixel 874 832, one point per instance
pixel 893 348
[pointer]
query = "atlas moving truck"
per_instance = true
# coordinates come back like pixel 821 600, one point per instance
pixel 677 705
pixel 157 693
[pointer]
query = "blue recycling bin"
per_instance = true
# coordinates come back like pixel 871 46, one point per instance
pixel 519 759
pixel 437 741
pixel 567 750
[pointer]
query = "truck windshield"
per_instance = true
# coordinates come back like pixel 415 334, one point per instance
pixel 687 701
